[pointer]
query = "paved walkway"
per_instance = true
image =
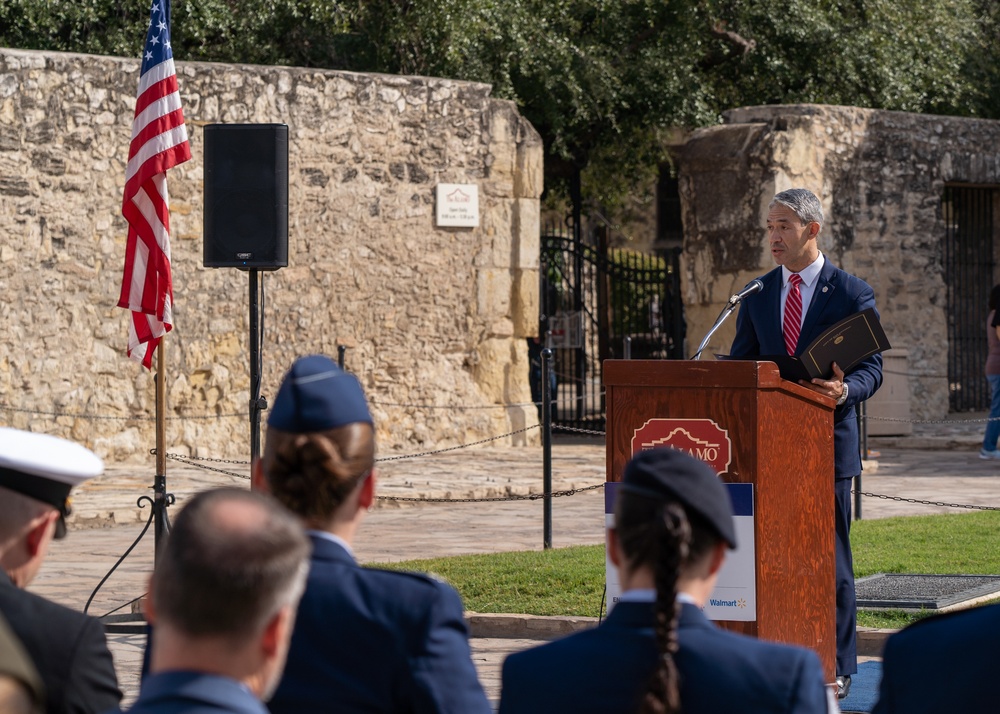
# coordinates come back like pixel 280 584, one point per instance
pixel 939 463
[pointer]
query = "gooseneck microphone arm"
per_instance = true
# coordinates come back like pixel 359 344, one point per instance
pixel 754 286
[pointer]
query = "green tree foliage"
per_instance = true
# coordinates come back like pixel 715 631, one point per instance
pixel 94 26
pixel 293 32
pixel 884 54
pixel 588 74
pixel 603 81
pixel 982 62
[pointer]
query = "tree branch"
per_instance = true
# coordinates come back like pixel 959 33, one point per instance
pixel 742 45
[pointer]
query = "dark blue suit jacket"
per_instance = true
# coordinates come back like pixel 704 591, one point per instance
pixel 607 669
pixel 194 693
pixel 69 650
pixel 942 664
pixel 369 640
pixel 837 294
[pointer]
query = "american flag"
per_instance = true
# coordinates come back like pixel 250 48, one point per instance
pixel 159 142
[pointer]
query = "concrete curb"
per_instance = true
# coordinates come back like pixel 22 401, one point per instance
pixel 871 641
pixel 526 627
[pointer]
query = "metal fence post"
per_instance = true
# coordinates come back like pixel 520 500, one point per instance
pixel 627 351
pixel 546 450
pixel 863 431
pixel 341 351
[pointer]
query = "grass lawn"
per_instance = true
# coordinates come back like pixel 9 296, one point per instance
pixel 570 581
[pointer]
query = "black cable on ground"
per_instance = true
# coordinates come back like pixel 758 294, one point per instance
pixel 124 555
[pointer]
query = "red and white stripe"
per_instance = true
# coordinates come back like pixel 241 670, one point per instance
pixel 793 313
pixel 159 142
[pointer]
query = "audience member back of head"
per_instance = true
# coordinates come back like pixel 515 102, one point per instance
pixel 367 640
pixel 223 598
pixel 656 652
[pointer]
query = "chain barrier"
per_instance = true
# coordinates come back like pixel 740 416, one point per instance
pixel 528 497
pixel 84 415
pixel 460 408
pixel 460 446
pixel 926 503
pixel 933 421
pixel 577 430
pixel 192 461
pixel 918 375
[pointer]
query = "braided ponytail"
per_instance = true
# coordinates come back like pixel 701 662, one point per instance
pixel 671 514
pixel 673 535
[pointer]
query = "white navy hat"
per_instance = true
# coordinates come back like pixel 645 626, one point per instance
pixel 45 468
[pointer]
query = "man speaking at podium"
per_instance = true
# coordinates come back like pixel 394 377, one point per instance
pixel 803 296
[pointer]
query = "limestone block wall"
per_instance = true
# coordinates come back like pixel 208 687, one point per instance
pixel 880 176
pixel 431 317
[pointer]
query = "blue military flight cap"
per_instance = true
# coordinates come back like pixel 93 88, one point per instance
pixel 668 474
pixel 45 468
pixel 317 395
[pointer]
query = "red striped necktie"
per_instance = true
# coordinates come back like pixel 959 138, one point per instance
pixel 793 313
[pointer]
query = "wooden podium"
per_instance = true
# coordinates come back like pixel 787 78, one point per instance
pixel 780 440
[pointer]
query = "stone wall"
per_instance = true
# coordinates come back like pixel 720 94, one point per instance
pixel 430 316
pixel 880 176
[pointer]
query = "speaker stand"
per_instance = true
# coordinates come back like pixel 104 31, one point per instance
pixel 257 402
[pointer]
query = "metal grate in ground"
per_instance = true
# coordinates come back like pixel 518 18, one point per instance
pixel 924 592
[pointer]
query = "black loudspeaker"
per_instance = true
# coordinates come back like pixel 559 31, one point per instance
pixel 246 196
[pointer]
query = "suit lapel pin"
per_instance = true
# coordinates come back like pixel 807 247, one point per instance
pixel 825 288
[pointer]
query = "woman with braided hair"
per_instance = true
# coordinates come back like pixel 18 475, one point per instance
pixel 365 640
pixel 657 652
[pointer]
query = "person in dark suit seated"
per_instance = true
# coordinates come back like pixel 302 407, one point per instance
pixel 20 685
pixel 803 296
pixel 366 640
pixel 68 648
pixel 222 599
pixel 944 663
pixel 656 651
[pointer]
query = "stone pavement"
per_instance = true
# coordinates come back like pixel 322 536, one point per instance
pixel 939 463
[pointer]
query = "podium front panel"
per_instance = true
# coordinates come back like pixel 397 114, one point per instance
pixel 753 428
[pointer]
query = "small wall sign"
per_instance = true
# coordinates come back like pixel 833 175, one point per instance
pixel 458 205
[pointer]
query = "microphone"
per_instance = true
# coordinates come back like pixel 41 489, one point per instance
pixel 754 286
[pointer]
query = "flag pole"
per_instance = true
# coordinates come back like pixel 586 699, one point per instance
pixel 161 499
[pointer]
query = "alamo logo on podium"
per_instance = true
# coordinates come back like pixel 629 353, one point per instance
pixel 701 438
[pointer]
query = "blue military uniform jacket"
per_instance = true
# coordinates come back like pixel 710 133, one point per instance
pixel 194 693
pixel 607 669
pixel 837 294
pixel 942 664
pixel 69 650
pixel 369 640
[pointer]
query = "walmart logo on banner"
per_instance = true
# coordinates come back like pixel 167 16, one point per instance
pixel 735 594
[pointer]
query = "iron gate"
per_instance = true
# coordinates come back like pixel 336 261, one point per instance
pixel 968 272
pixel 592 299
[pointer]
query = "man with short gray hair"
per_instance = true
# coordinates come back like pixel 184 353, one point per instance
pixel 223 598
pixel 803 296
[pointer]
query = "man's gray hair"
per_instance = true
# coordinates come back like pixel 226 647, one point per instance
pixel 232 560
pixel 17 511
pixel 803 203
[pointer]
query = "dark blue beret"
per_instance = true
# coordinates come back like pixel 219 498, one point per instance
pixel 317 395
pixel 668 474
